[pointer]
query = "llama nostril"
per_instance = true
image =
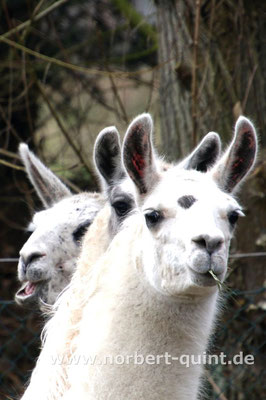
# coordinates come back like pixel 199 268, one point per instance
pixel 30 259
pixel 208 243
pixel 200 242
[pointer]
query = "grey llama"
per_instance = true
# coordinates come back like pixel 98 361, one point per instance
pixel 48 258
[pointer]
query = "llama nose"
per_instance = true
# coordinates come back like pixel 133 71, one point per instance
pixel 209 243
pixel 27 260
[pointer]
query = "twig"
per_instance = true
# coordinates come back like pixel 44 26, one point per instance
pixel 150 94
pixel 26 31
pixel 215 386
pixel 27 104
pixel 220 284
pixel 7 397
pixel 247 255
pixel 8 164
pixel 36 18
pixel 136 19
pixel 62 128
pixel 4 8
pixel 9 154
pixel 120 103
pixel 24 69
pixel 83 69
pixel 36 9
pixel 244 103
pixel 194 74
pixel 10 97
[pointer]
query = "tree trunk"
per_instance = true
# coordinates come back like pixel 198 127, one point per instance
pixel 174 58
pixel 212 68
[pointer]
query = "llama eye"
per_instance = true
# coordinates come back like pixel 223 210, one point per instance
pixel 152 218
pixel 121 208
pixel 233 217
pixel 80 231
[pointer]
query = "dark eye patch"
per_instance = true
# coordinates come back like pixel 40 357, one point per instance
pixel 122 207
pixel 186 201
pixel 121 202
pixel 233 217
pixel 153 217
pixel 80 231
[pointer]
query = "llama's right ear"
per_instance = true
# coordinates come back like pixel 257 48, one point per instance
pixel 48 187
pixel 240 157
pixel 205 154
pixel 138 153
pixel 107 156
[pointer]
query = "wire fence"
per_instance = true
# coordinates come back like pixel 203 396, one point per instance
pixel 239 333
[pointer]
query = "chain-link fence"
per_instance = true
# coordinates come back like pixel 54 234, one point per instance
pixel 239 333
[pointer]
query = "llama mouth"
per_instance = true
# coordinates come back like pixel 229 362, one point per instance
pixel 204 279
pixel 27 291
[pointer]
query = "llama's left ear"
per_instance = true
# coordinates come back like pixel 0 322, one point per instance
pixel 205 154
pixel 138 153
pixel 107 156
pixel 239 158
pixel 48 186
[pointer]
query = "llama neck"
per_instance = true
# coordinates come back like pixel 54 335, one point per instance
pixel 126 320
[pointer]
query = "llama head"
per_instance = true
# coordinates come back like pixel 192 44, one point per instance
pixel 189 210
pixel 48 258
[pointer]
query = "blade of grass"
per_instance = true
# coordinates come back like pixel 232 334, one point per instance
pixel 220 284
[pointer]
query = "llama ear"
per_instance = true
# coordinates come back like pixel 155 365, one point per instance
pixel 239 158
pixel 205 154
pixel 48 187
pixel 107 156
pixel 138 153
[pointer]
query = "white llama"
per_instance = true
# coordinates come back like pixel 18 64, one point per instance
pixel 150 298
pixel 48 258
pixel 49 379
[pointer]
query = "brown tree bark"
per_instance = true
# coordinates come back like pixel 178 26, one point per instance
pixel 212 68
pixel 174 57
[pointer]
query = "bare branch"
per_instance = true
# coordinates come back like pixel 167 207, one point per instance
pixel 36 18
pixel 62 128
